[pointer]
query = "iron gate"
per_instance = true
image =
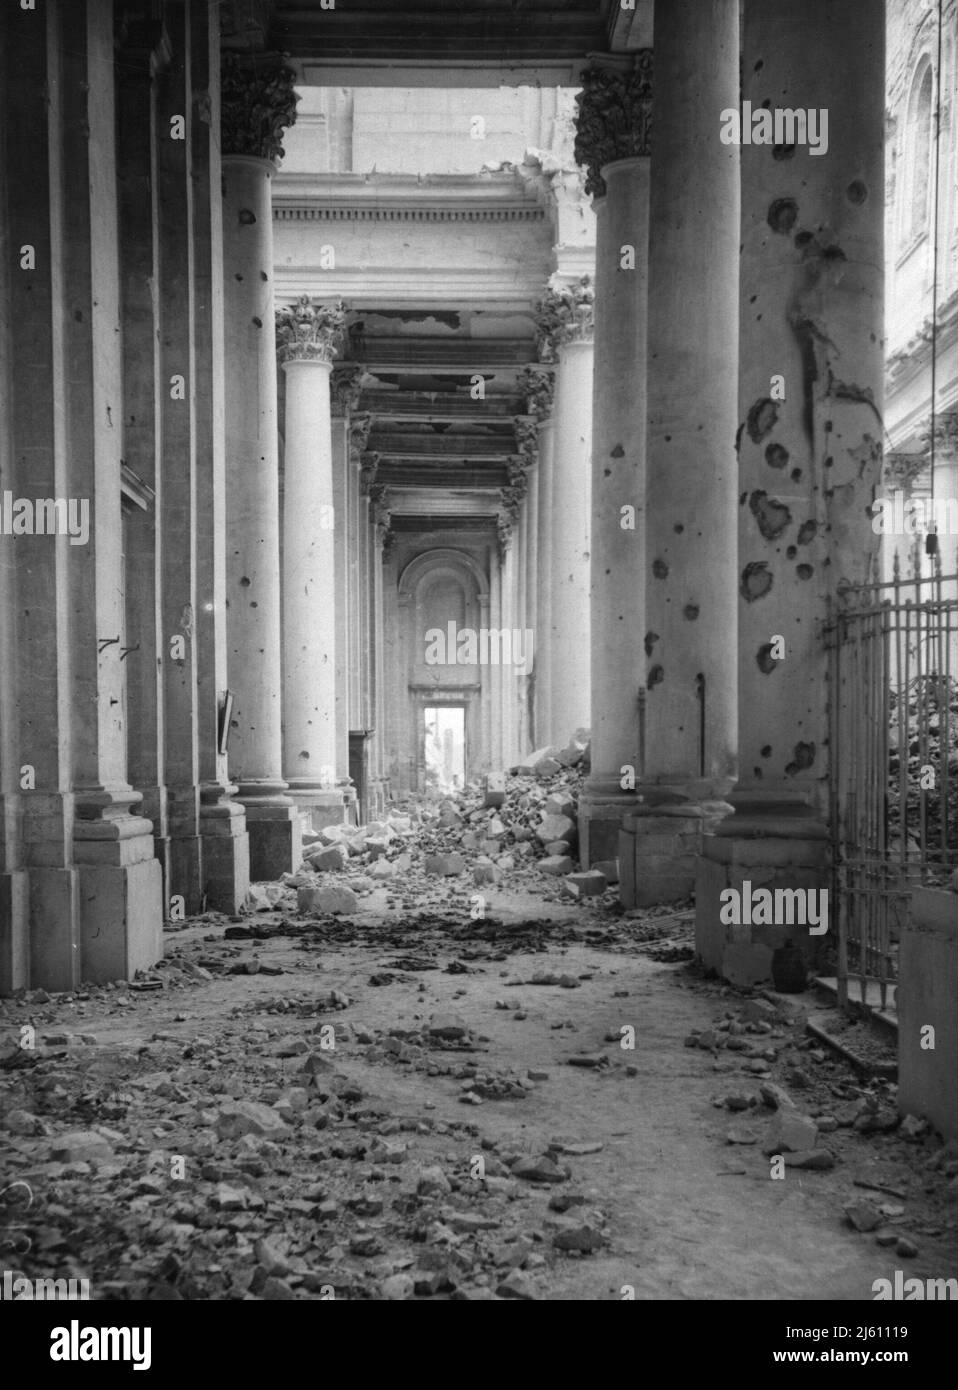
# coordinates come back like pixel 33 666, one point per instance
pixel 893 716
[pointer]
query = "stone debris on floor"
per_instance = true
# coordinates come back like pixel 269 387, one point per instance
pixel 352 1089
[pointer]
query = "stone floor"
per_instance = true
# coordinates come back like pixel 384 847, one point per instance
pixel 417 1102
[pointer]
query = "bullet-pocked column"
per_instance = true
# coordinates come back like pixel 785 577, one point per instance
pixel 613 141
pixel 257 103
pixel 565 327
pixel 691 517
pixel 811 130
pixel 308 336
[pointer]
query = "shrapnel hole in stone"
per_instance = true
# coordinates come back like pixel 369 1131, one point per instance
pixel 782 215
pixel 804 757
pixel 771 516
pixel 756 580
pixel 762 419
pixel 766 662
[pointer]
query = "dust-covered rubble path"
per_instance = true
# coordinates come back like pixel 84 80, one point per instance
pixel 388 1106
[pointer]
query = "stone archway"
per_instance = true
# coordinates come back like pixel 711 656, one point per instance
pixel 438 588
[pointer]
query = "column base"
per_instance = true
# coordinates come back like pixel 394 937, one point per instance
pixel 14 931
pixel 121 919
pixel 186 874
pixel 225 849
pixel 602 812
pixel 120 886
pixel 319 806
pixel 378 798
pixel 742 954
pixel 275 829
pixel 54 929
pixel 659 848
pixel 350 803
pixel 275 841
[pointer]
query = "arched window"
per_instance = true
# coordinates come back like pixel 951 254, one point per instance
pixel 919 135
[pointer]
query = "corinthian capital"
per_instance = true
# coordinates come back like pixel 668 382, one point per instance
pixel 901 470
pixel 511 498
pixel 368 468
pixel 345 389
pixel 615 117
pixel 539 388
pixel 946 435
pixel 527 440
pixel 307 332
pixel 258 103
pixel 359 427
pixel 566 315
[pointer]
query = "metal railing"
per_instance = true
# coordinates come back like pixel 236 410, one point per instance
pixel 893 717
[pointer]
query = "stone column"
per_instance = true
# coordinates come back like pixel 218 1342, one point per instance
pixel 532 601
pixel 258 101
pixel 120 881
pixel 225 839
pixel 513 500
pixel 506 651
pixel 691 715
pixel 176 478
pixel 496 721
pixel 537 385
pixel 308 336
pixel 527 437
pixel 810 439
pixel 382 542
pixel 613 140
pixel 566 326
pixel 345 396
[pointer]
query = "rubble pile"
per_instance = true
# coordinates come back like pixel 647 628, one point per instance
pixel 517 828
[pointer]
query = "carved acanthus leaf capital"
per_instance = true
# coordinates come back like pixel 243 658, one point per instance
pixel 368 468
pixel 307 332
pixel 359 428
pixel 346 389
pixel 511 498
pixel 258 103
pixel 538 387
pixel 518 470
pixel 946 435
pixel 566 315
pixel 527 440
pixel 901 470
pixel 615 117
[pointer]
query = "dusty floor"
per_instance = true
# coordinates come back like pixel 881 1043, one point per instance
pixel 147 1171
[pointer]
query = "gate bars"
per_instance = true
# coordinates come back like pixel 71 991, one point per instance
pixel 893 729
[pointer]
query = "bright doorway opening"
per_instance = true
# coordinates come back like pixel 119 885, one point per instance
pixel 445 747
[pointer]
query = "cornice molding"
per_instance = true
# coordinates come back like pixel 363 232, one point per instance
pixel 362 213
